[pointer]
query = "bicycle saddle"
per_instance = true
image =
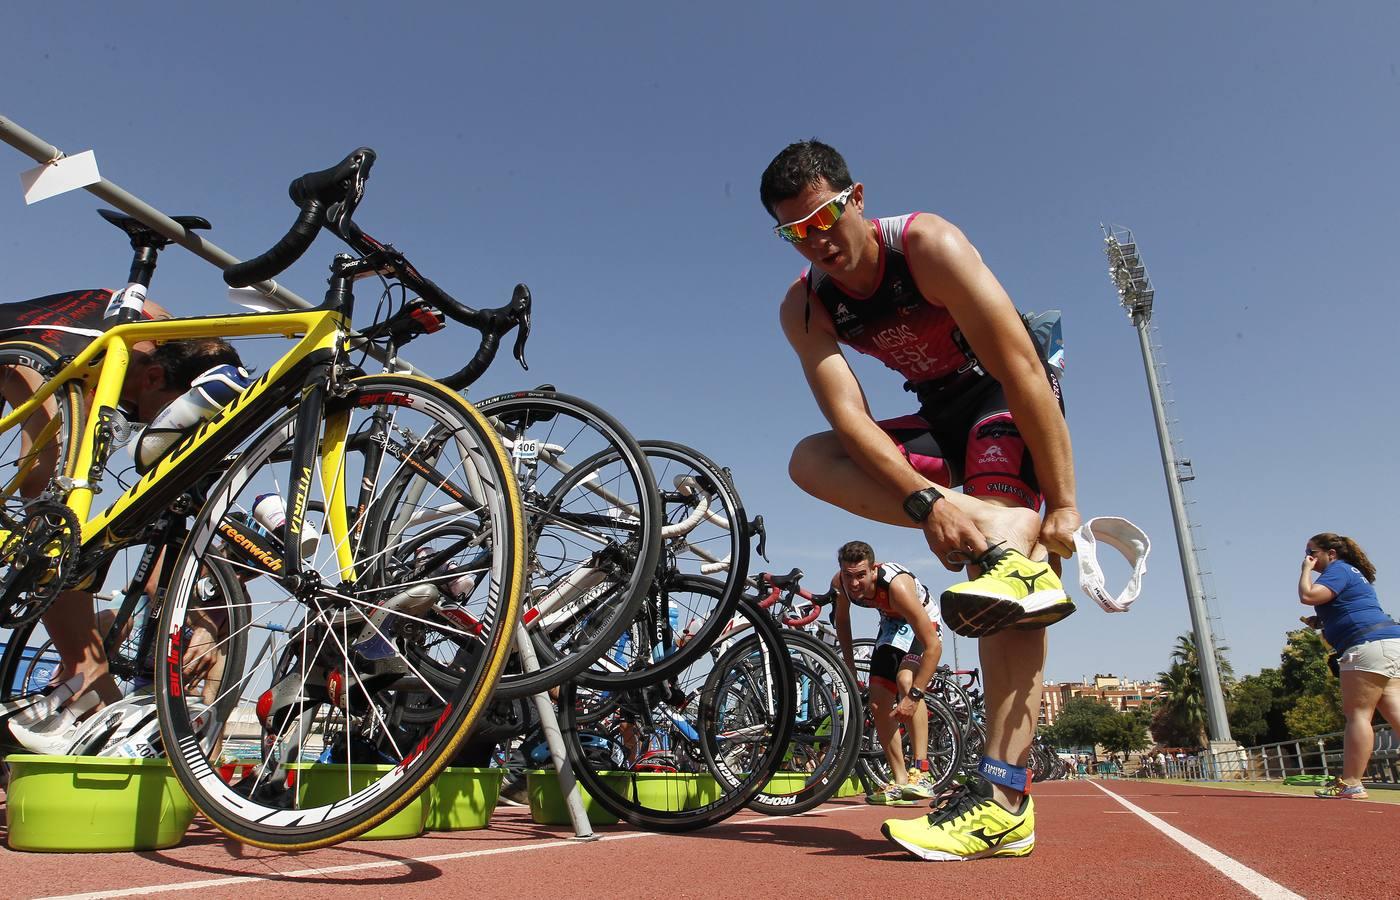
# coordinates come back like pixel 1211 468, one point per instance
pixel 143 235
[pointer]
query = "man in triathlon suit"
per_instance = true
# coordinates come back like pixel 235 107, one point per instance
pixel 156 375
pixel 906 653
pixel 914 293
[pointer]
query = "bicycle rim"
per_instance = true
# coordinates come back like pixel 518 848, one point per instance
pixel 32 452
pixel 703 537
pixel 593 525
pixel 826 730
pixel 717 730
pixel 333 661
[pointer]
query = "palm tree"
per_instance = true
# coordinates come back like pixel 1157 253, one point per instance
pixel 1182 711
pixel 1184 654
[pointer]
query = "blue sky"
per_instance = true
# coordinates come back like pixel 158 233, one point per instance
pixel 609 154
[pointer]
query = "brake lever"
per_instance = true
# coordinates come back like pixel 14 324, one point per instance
pixel 756 527
pixel 520 309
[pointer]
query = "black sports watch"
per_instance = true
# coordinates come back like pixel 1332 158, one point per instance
pixel 914 694
pixel 919 504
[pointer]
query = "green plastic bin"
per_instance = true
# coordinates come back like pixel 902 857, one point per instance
pixel 674 791
pixel 322 783
pixel 547 805
pixel 65 804
pixel 462 798
pixel 851 787
pixel 786 783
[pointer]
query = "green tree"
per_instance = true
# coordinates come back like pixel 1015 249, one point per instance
pixel 1254 708
pixel 1123 733
pixel 1179 718
pixel 1184 653
pixel 1311 695
pixel 1313 714
pixel 1077 724
pixel 1303 665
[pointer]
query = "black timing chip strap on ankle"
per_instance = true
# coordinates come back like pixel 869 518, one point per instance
pixel 1005 774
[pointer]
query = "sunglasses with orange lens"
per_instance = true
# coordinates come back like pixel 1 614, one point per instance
pixel 821 218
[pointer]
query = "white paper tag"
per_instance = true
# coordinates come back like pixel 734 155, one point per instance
pixel 257 301
pixel 67 174
pixel 526 448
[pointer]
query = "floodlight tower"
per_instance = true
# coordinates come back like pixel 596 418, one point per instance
pixel 1135 292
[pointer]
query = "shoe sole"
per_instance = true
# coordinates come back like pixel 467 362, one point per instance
pixel 1023 847
pixel 1046 617
pixel 973 615
pixel 895 803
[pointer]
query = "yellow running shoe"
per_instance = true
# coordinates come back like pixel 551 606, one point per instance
pixel 967 827
pixel 1011 592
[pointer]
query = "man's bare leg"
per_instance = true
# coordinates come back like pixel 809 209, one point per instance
pixel 821 467
pixel 881 702
pixel 1012 665
pixel 918 726
pixel 72 625
pixel 1012 660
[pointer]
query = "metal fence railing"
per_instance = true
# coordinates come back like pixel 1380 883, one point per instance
pixel 1317 755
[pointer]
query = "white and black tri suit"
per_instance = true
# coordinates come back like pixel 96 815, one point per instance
pixel 896 637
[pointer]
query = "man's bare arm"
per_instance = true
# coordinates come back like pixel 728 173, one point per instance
pixel 949 269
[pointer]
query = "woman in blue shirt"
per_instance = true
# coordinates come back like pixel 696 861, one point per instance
pixel 1368 642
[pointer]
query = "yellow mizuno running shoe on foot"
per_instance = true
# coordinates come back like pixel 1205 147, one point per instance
pixel 968 827
pixel 1011 592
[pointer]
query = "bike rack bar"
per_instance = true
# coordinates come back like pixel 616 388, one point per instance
pixel 43 152
pixel 568 785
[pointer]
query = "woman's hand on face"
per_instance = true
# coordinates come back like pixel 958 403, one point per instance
pixel 1307 563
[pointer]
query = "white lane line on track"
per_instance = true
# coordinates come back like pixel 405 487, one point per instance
pixel 1243 875
pixel 406 861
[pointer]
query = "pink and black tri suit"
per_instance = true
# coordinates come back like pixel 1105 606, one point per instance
pixel 963 433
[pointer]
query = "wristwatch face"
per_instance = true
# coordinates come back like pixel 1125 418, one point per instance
pixel 918 504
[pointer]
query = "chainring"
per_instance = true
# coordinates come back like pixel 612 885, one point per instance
pixel 37 562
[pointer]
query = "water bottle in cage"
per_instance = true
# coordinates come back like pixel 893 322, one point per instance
pixel 271 513
pixel 208 393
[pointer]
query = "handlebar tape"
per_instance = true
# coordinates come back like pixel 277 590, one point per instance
pixel 285 252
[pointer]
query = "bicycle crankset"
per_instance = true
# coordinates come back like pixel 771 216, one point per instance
pixel 38 560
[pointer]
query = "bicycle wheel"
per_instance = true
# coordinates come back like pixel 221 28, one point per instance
pixel 946 686
pixel 34 450
pixel 337 648
pixel 28 664
pixel 826 731
pixel 704 543
pixel 975 744
pixel 594 529
pixel 700 744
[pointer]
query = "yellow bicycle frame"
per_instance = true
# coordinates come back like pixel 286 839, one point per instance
pixel 102 366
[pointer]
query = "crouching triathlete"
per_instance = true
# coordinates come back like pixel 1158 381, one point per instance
pixel 907 649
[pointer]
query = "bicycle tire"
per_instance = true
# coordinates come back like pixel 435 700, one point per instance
pixel 32 452
pixel 308 632
pixel 593 518
pixel 830 692
pixel 21 665
pixel 755 670
pixel 702 507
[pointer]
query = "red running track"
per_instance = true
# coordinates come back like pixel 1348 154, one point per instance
pixel 1186 841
